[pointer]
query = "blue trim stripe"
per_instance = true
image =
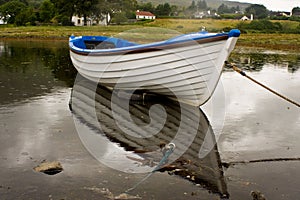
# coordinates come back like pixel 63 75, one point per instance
pixel 77 43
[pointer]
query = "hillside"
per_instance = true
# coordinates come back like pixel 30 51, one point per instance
pixel 211 3
pixel 182 3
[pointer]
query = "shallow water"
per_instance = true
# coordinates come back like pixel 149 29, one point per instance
pixel 251 125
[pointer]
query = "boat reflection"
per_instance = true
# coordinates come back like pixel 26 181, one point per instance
pixel 195 158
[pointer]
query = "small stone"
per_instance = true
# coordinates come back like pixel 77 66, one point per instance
pixel 126 196
pixel 50 168
pixel 24 153
pixel 257 195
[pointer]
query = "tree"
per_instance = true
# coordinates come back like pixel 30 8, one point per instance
pixel 202 5
pixel 5 1
pixel 174 10
pixel 163 10
pixel 67 8
pixel 120 18
pixel 46 11
pixel 26 16
pixel 10 10
pixel 129 8
pixel 147 7
pixel 296 11
pixel 192 7
pixel 85 8
pixel 64 10
pixel 115 7
pixel 223 9
pixel 259 11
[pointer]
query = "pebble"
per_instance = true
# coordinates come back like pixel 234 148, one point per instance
pixel 50 168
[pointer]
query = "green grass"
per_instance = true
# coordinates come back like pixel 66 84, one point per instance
pixel 286 42
pixel 193 25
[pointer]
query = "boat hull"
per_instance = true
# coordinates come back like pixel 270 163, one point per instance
pixel 188 72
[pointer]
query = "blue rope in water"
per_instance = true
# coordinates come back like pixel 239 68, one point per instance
pixel 169 150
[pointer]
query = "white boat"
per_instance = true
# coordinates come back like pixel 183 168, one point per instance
pixel 186 67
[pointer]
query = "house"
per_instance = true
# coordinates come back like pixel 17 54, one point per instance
pixel 205 14
pixel 2 20
pixel 245 18
pixel 104 20
pixel 280 14
pixel 79 21
pixel 284 14
pixel 144 15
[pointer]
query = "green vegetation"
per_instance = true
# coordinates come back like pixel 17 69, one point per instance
pixel 267 26
pixel 60 12
pixel 51 19
pixel 259 11
pixel 284 42
pixel 166 28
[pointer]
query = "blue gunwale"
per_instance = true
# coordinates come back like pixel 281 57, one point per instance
pixel 77 44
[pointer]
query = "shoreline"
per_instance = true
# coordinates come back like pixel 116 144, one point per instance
pixel 275 41
pixel 245 41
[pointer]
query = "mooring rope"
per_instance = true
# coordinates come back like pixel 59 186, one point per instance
pixel 169 148
pixel 235 68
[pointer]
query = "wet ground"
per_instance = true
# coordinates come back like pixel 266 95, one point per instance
pixel 258 145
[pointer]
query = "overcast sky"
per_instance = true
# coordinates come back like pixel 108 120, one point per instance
pixel 275 5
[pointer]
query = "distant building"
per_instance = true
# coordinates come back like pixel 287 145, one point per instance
pixel 245 18
pixel 144 15
pixel 205 14
pixel 285 14
pixel 79 21
pixel 2 21
pixel 281 14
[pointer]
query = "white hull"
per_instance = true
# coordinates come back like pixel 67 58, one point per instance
pixel 189 72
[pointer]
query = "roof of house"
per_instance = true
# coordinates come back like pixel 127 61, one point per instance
pixel 245 18
pixel 144 13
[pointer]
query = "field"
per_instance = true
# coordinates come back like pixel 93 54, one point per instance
pixel 157 30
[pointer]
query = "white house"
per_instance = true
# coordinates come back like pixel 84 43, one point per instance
pixel 144 15
pixel 245 18
pixel 79 21
pixel 207 13
pixel 2 20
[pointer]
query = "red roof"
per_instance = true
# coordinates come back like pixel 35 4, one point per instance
pixel 144 13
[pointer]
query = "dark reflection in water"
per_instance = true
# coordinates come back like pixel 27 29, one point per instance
pixel 125 129
pixel 255 61
pixel 32 68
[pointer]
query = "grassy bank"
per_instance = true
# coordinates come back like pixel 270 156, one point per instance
pixel 154 31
